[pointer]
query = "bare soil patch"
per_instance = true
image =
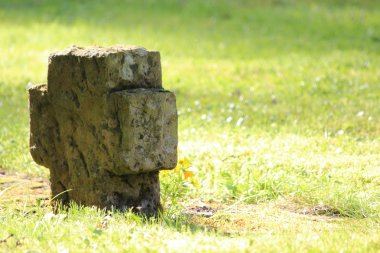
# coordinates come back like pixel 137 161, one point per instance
pixel 17 188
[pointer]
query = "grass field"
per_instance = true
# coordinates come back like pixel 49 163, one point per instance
pixel 279 125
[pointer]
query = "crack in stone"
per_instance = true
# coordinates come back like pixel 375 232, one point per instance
pixel 84 162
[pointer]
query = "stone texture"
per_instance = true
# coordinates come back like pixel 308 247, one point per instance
pixel 104 127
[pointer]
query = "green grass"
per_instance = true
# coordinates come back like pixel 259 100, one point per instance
pixel 279 112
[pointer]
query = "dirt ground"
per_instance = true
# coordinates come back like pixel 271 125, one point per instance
pixel 19 191
pixel 22 189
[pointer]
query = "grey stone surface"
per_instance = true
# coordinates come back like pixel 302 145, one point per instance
pixel 104 127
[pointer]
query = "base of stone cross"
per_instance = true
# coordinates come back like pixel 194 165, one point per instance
pixel 139 193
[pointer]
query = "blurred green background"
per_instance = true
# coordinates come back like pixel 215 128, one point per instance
pixel 269 92
pixel 279 113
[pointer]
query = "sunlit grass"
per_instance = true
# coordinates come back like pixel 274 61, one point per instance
pixel 255 230
pixel 278 102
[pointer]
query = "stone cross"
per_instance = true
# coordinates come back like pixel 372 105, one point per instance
pixel 104 126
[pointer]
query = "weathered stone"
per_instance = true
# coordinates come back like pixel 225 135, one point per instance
pixel 148 130
pixel 104 127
